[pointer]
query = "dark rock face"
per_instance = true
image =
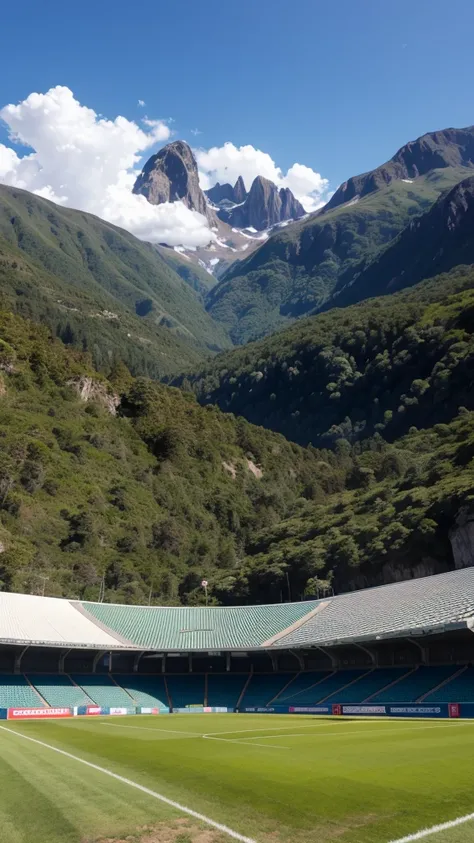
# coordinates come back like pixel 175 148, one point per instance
pixel 220 193
pixel 291 209
pixel 265 205
pixel 172 175
pixel 240 193
pixel 226 194
pixel 446 148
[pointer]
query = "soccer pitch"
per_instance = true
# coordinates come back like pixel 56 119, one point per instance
pixel 268 779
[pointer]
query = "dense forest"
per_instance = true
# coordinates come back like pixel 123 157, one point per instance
pixel 382 366
pixel 127 489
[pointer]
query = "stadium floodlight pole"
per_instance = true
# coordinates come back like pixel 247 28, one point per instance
pixel 205 585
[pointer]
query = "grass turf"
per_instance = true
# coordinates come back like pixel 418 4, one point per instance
pixel 278 779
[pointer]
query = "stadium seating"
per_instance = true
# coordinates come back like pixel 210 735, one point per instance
pixel 199 628
pixel 374 612
pixel 368 685
pixel 59 690
pixel 145 690
pixel 103 690
pixel 302 686
pixel 264 687
pixel 225 690
pixel 460 689
pixel 429 603
pixel 15 692
pixel 185 690
pixel 415 685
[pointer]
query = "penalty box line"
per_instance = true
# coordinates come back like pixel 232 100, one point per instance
pixel 435 829
pixel 159 796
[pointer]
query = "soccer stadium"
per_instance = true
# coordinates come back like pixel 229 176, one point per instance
pixel 349 718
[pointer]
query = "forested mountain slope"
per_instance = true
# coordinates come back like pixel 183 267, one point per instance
pixel 434 242
pixel 99 288
pixel 129 489
pixel 299 268
pixel 126 483
pixel 382 365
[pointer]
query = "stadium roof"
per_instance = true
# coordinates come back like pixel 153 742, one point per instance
pixel 414 607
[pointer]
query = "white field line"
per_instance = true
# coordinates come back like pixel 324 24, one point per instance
pixel 435 829
pixel 151 729
pixel 349 734
pixel 176 805
pixel 244 741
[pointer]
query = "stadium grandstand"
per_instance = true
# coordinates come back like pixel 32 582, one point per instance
pixel 410 642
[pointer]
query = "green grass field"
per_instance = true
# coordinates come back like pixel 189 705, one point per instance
pixel 269 778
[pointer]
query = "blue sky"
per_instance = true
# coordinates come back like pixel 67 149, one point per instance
pixel 336 85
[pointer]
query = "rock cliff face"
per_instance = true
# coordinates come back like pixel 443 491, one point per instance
pixel 225 193
pixel 265 206
pixel 461 537
pixel 446 148
pixel 172 175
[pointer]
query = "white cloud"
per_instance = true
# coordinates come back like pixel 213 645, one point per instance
pixel 160 130
pixel 141 103
pixel 85 161
pixel 226 163
pixel 196 132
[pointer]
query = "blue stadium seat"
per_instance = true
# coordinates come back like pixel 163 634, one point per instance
pixel 415 685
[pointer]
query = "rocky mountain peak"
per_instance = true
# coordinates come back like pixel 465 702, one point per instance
pixel 172 175
pixel 240 193
pixel 435 150
pixel 264 206
pixel 226 195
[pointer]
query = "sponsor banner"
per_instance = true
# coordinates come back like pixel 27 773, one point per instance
pixel 196 710
pixel 260 710
pixel 119 710
pixel 3 713
pixel 454 710
pixel 337 709
pixel 364 709
pixel 149 710
pixel 93 709
pixel 33 713
pixel 309 709
pixel 418 710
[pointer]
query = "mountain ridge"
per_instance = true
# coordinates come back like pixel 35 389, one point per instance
pixel 431 151
pixel 99 287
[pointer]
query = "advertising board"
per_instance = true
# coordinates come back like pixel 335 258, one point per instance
pixel 364 709
pixel 309 709
pixel 34 713
pixel 93 709
pixel 119 710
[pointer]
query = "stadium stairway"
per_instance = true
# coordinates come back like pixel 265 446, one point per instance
pixel 459 688
pixel 59 690
pixel 367 685
pixel 103 690
pixel 301 684
pixel 264 687
pixel 415 685
pixel 148 691
pixel 17 692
